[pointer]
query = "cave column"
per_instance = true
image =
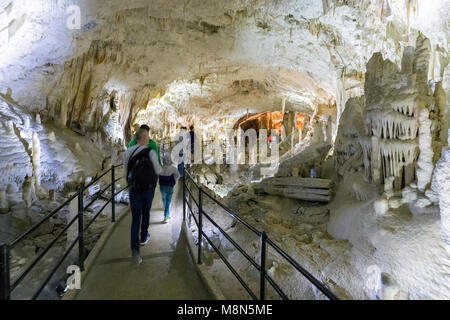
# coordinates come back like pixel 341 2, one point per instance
pixel 375 159
pixel 425 161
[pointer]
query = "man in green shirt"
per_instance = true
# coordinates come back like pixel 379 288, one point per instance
pixel 151 144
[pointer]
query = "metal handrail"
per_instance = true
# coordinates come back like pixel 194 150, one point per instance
pixel 234 215
pixel 97 196
pixel 264 240
pixel 227 263
pixel 98 178
pixel 5 249
pixel 305 273
pixel 228 210
pixel 192 214
pixel 226 235
pixel 192 196
pixel 242 251
pixel 55 268
pixel 37 225
pixel 35 261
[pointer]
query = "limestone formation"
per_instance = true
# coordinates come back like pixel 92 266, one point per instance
pixel 396 114
pixel 340 111
pixel 28 191
pixel 4 205
pixel 441 185
pixel 51 136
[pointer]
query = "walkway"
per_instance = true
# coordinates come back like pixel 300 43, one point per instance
pixel 167 270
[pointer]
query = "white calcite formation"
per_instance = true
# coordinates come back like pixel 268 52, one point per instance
pixel 370 78
pixel 36 159
pixel 304 53
pixel 28 191
pixel 441 187
pixel 51 136
pixel 425 161
pixel 4 205
pixel 396 119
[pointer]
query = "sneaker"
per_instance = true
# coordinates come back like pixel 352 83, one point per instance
pixel 137 258
pixel 146 240
pixel 167 219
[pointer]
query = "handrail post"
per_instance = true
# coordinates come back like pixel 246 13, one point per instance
pixel 200 226
pixel 263 238
pixel 184 197
pixel 113 202
pixel 80 230
pixel 4 272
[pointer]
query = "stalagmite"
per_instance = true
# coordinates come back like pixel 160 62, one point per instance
pixel 10 126
pixel 78 148
pixel 389 187
pixel 375 159
pixel 51 136
pixel 381 206
pixel 27 123
pixel 425 161
pixel 28 191
pixel 36 160
pixel 4 205
pixel 51 194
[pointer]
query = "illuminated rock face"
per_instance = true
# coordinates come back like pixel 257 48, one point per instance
pixel 370 80
pixel 398 120
pixel 441 188
pixel 304 53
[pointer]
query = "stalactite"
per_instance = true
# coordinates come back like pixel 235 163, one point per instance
pixel 391 125
pixel 397 154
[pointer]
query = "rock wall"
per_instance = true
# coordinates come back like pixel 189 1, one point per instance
pixel 79 100
pixel 400 119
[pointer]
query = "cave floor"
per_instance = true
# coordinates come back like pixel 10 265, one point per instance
pixel 167 271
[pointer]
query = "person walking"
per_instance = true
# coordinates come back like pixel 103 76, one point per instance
pixel 179 139
pixel 167 180
pixel 151 144
pixel 141 172
pixel 192 136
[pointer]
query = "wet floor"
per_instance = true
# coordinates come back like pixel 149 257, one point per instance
pixel 166 273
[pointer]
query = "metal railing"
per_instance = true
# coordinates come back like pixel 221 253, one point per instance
pixel 263 239
pixel 6 286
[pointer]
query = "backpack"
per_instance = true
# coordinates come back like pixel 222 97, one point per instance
pixel 141 174
pixel 167 181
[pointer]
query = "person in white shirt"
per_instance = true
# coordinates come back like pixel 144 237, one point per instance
pixel 141 172
pixel 167 180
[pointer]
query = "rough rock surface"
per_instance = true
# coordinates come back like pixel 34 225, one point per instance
pixel 371 78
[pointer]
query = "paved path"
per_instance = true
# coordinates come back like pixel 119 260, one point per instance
pixel 167 270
